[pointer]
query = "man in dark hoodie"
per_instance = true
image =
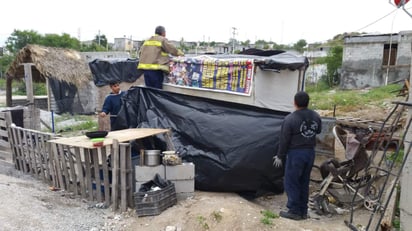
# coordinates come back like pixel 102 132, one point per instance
pixel 297 143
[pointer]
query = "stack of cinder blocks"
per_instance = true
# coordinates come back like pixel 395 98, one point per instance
pixel 182 175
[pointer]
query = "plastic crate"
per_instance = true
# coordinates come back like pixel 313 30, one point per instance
pixel 154 203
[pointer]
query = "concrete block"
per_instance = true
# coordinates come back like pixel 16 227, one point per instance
pixel 184 171
pixel 184 186
pixel 147 173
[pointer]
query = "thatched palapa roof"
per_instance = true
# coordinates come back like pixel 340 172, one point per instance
pixel 49 62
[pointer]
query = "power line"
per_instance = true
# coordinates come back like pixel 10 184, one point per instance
pixel 370 24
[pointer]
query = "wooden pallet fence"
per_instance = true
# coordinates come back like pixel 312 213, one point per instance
pixel 5 149
pixel 102 174
pixel 122 188
pixel 31 152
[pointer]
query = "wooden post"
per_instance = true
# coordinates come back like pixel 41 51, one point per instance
pixel 30 96
pixel 115 174
pixel 123 177
pixel 48 94
pixel 9 91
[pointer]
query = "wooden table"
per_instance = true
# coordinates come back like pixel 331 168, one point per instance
pixel 120 135
pixel 82 168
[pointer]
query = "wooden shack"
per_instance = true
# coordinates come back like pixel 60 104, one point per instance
pixel 65 73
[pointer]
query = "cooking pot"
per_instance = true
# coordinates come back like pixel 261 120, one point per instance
pixel 151 157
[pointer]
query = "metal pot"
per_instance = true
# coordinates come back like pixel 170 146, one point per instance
pixel 151 157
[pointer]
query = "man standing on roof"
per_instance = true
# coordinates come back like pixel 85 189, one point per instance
pixel 154 58
pixel 297 145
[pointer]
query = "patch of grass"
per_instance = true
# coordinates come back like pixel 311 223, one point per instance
pixel 348 100
pixel 266 221
pixel 217 216
pixel 202 222
pixel 81 123
pixel 268 217
pixel 395 157
pixel 87 125
pixel 316 87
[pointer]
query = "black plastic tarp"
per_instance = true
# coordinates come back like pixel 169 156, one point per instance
pixel 121 70
pixel 231 144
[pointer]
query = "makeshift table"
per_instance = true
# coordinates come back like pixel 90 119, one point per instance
pixel 82 168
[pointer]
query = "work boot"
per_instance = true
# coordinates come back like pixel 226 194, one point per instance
pixel 290 215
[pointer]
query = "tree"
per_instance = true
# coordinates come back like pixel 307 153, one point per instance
pixel 5 62
pixel 92 47
pixel 64 41
pixel 20 39
pixel 300 45
pixel 333 61
pixel 100 40
pixel 245 43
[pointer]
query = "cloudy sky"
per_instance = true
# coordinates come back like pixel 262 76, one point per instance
pixel 280 21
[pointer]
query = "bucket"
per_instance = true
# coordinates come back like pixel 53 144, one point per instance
pixel 151 157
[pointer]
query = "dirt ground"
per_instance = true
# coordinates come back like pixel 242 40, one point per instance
pixel 29 204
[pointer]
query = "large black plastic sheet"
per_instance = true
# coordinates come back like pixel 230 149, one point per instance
pixel 231 144
pixel 122 70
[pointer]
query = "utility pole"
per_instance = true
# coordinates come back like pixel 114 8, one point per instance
pixel 233 39
pixel 99 38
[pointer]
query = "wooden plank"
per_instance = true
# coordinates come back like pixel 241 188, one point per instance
pixel 390 209
pixel 106 180
pixel 87 169
pixel 44 152
pixel 73 178
pixel 3 122
pixel 57 164
pixel 19 160
pixel 3 133
pixel 141 157
pixel 80 172
pixel 115 174
pixel 120 135
pixel 130 176
pixel 13 146
pixel 31 149
pixel 64 166
pixel 39 154
pixel 123 178
pixel 97 180
pixel 51 165
pixel 4 143
pixel 21 147
pixel 26 156
pixel 5 156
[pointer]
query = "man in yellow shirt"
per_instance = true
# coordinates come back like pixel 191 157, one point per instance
pixel 154 58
